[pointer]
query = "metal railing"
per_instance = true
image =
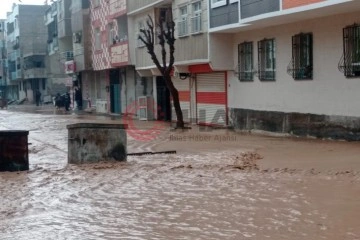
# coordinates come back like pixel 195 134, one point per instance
pixel 67 56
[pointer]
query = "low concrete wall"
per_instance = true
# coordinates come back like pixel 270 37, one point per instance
pixel 89 142
pixel 300 124
pixel 14 154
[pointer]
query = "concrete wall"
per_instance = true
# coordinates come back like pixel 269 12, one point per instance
pixel 222 56
pixel 329 92
pixel 89 142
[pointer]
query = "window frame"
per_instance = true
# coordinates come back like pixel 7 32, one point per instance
pixel 218 3
pixel 140 25
pixel 351 51
pixel 302 56
pixel 245 60
pixel 266 55
pixel 183 21
pixel 97 43
pixel 196 18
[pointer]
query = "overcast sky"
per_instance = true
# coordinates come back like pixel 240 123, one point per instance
pixel 5 5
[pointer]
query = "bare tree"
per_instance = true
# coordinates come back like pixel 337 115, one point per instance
pixel 165 33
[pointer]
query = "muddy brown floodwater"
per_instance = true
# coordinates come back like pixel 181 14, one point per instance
pixel 220 185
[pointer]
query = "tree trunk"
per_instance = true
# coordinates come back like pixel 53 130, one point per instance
pixel 175 96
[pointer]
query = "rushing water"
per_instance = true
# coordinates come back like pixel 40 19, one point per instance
pixel 206 191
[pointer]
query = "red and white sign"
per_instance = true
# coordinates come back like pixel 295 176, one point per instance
pixel 70 67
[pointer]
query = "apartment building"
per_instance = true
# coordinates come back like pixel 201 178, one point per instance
pixel 2 60
pixel 113 84
pixel 202 89
pixel 291 66
pixel 61 66
pixel 81 65
pixel 26 51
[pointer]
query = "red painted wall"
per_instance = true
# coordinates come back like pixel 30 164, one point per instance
pixel 297 3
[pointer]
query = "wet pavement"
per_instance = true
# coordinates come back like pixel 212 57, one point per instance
pixel 219 185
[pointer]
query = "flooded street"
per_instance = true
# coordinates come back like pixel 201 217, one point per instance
pixel 219 185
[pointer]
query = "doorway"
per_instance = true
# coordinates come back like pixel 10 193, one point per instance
pixel 115 91
pixel 163 100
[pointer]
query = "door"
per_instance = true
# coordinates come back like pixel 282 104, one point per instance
pixel 211 99
pixel 184 97
pixel 115 90
pixel 163 100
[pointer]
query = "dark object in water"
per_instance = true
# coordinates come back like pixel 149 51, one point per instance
pixel 151 153
pixel 14 150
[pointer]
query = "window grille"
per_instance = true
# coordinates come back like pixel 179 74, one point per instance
pixel 245 61
pixel 350 61
pixel 301 65
pixel 266 60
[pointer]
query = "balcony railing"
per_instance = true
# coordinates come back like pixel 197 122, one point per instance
pixel 67 56
pixel 34 73
pixel 117 7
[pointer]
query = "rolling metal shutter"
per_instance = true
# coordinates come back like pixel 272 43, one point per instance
pixel 183 88
pixel 211 99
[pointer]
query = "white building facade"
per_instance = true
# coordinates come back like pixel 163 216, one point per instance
pixel 291 68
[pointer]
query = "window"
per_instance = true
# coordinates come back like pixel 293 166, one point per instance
pixel 183 26
pixel 217 3
pixel 112 36
pixel 196 18
pixel 350 62
pixel 245 61
pixel 97 39
pixel 122 28
pixel 139 42
pixel 301 65
pixel 266 60
pixel 165 16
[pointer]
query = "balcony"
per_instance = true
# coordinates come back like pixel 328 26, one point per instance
pixel 117 8
pixel 35 73
pixel 48 18
pixel 15 75
pixel 64 28
pixel 119 54
pixel 135 6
